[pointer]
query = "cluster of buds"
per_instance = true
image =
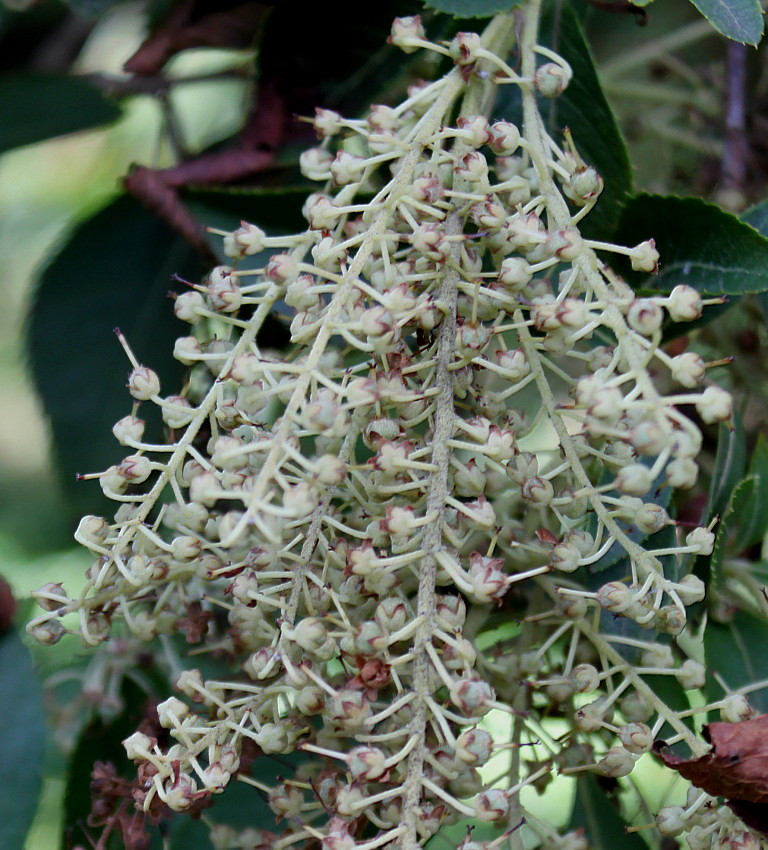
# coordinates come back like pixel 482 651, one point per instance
pixel 445 440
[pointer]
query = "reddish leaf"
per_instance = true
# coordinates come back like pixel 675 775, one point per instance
pixel 735 768
pixel 199 23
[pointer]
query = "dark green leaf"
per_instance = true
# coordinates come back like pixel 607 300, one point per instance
pixel 36 107
pixel 730 464
pixel 21 740
pixel 472 8
pixel 737 652
pixel 100 741
pixel 597 813
pixel 700 245
pixel 275 209
pixel 740 20
pixel 584 110
pixel 240 806
pixel 115 271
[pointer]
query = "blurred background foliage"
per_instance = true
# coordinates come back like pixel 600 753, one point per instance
pixel 73 124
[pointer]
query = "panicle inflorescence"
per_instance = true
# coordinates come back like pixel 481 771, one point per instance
pixel 468 419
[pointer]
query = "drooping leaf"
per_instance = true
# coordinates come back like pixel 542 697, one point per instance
pixel 598 814
pixel 472 8
pixel 36 107
pixel 740 20
pixel 699 244
pixel 115 271
pixel 736 651
pixel 21 740
pixel 583 109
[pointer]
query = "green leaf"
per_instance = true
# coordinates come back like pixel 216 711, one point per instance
pixel 21 740
pixel 36 107
pixel 745 519
pixel 472 8
pixel 597 813
pixel 753 519
pixel 757 216
pixel 617 554
pixel 115 271
pixel 737 652
pixel 730 463
pixel 740 504
pixel 699 244
pixel 672 694
pixel 583 109
pixel 740 20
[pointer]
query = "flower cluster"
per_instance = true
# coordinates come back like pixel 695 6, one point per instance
pixel 466 430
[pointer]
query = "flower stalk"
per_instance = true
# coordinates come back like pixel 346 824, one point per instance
pixel 444 447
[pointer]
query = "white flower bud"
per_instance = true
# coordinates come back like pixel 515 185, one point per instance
pixel 645 316
pixel 247 240
pixel 684 304
pixel 688 369
pixel 47 633
pixel 492 805
pixel 650 518
pixel 644 257
pixel 171 712
pixel 682 473
pixel 504 138
pixel 407 33
pixel 584 678
pixel 735 708
pixel 551 79
pixel 327 123
pixel 138 745
pixel 671 821
pixel 715 405
pixel 129 429
pixel 690 589
pixel 691 674
pixel 635 479
pixel 702 539
pixel 315 164
pixel 143 384
pixel 616 762
pixel 636 737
